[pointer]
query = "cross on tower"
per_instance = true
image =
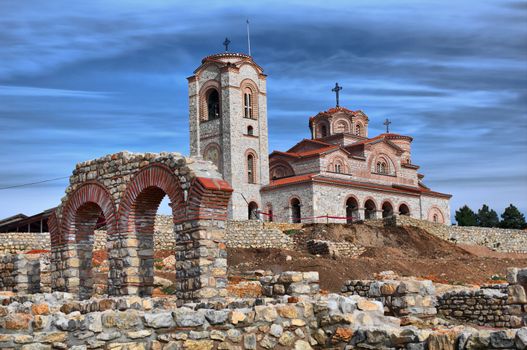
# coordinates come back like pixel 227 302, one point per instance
pixel 387 123
pixel 336 90
pixel 226 44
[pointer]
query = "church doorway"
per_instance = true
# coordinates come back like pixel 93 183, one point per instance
pixel 296 210
pixel 253 211
pixel 369 209
pixel 404 210
pixel 387 210
pixel 351 210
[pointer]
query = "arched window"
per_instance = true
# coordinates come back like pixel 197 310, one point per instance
pixel 323 131
pixel 253 211
pixel 296 213
pixel 436 218
pixel 251 169
pixel 213 104
pixel 351 210
pixel 358 130
pixel 387 210
pixel 404 210
pixel 248 103
pixel 338 168
pixel 382 167
pixel 250 130
pixel 370 209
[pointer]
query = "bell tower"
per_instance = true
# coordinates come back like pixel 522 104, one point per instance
pixel 228 125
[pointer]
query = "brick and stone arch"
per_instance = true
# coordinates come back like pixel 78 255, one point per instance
pixel 337 164
pixel 387 209
pixel 358 129
pixel 251 166
pixel 252 211
pixel 74 246
pixel 136 219
pixel 341 125
pixel 249 97
pixel 404 209
pixel 280 169
pixel 126 190
pixel 381 163
pixel 206 96
pixel 436 215
pixel 296 210
pixel 322 129
pixel 352 209
pixel 370 209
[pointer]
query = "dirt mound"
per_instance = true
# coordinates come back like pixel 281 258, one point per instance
pixel 408 251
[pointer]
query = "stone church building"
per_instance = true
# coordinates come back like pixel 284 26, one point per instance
pixel 340 174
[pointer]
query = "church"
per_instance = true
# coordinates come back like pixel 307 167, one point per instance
pixel 340 174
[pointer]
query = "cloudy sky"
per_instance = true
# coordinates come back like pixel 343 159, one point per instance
pixel 83 79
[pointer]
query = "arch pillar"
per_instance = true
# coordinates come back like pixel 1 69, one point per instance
pixel 361 213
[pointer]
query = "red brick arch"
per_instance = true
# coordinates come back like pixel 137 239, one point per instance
pixel 149 186
pixel 90 192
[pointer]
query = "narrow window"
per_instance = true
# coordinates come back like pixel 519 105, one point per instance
pixel 436 219
pixel 337 168
pixel 247 104
pixel 250 168
pixel 213 105
pixel 250 130
pixel 357 130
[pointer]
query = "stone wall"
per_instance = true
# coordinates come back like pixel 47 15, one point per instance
pixel 255 234
pixel 400 297
pixel 492 306
pixel 291 283
pixel 323 247
pixel 503 240
pixel 19 273
pixel 45 321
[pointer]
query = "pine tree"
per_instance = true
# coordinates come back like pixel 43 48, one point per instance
pixel 487 217
pixel 512 218
pixel 466 217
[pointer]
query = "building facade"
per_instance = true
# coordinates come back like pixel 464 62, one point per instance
pixel 339 175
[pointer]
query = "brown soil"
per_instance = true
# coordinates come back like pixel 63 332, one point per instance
pixel 407 251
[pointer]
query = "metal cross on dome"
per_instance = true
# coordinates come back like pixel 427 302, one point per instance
pixel 336 90
pixel 226 44
pixel 387 123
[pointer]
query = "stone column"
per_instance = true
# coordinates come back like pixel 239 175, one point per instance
pixel 378 214
pixel 361 213
pixel 201 261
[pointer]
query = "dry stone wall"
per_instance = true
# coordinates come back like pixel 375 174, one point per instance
pixel 46 321
pixel 502 240
pixel 493 306
pixel 255 234
pixel 19 273
pixel 322 247
pixel 399 297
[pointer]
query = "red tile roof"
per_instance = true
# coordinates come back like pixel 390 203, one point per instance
pixel 409 190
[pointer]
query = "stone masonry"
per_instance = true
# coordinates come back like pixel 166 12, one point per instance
pixel 125 190
pixel 19 273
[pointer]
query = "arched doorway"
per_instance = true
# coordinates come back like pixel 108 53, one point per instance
pixel 296 212
pixel 352 207
pixel 369 209
pixel 404 210
pixel 387 210
pixel 252 211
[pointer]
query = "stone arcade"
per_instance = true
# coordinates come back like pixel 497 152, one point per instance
pixel 126 189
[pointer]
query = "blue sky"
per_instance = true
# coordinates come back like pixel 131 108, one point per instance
pixel 83 79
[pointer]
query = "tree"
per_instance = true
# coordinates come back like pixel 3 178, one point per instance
pixel 512 218
pixel 466 217
pixel 487 217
